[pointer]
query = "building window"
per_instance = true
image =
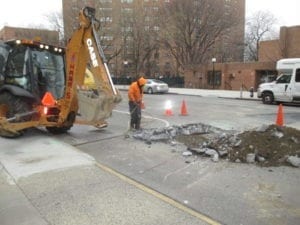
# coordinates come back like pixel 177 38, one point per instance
pixel 106 19
pixel 105 9
pixel 126 1
pixel 214 79
pixel 155 9
pixel 107 38
pixel 126 10
pixel 127 29
pixel 156 28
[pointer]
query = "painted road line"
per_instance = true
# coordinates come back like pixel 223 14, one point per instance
pixel 167 124
pixel 158 195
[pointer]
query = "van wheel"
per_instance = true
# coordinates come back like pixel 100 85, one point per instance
pixel 268 98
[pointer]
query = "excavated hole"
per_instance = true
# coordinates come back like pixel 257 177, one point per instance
pixel 265 146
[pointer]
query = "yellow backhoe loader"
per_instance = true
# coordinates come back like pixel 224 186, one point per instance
pixel 43 85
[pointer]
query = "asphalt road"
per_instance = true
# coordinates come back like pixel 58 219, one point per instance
pixel 116 179
pixel 227 192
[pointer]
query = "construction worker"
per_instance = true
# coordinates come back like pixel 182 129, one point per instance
pixel 135 97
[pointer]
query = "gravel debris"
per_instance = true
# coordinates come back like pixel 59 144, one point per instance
pixel 268 145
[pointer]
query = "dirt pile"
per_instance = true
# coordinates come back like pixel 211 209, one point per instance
pixel 265 146
pixel 272 147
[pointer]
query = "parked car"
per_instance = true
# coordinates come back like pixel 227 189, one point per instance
pixel 155 86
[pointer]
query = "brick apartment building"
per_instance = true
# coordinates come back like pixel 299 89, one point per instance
pixel 47 36
pixel 236 75
pixel 231 75
pixel 111 14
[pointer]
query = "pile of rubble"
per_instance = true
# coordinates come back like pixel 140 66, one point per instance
pixel 265 146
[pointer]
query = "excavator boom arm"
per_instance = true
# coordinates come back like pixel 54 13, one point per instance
pixel 84 51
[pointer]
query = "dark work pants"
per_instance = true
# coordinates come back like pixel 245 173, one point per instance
pixel 135 115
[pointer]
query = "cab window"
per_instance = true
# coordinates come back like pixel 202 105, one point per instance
pixel 17 68
pixel 285 77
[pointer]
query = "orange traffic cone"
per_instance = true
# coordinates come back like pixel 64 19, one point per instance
pixel 168 111
pixel 279 119
pixel 183 109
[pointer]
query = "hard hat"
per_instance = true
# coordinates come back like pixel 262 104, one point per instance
pixel 142 81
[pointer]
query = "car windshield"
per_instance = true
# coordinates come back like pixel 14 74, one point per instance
pixel 158 81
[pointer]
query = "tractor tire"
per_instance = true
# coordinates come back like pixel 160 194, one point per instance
pixel 63 129
pixel 58 130
pixel 10 106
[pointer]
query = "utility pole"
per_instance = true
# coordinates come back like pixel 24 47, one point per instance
pixel 213 60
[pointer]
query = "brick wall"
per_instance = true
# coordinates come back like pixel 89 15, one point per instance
pixel 46 36
pixel 287 46
pixel 233 75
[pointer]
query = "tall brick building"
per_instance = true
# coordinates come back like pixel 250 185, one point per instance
pixel 113 34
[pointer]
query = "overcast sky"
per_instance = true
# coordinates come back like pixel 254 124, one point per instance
pixel 25 13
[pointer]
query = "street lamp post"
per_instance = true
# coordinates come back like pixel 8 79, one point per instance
pixel 213 60
pixel 125 67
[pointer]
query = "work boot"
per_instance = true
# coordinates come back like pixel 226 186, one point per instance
pixel 132 127
pixel 101 124
pixel 137 126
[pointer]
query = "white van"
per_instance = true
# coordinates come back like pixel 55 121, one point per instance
pixel 286 88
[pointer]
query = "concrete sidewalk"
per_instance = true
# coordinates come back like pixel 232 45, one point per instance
pixel 49 182
pixel 215 93
pixel 245 95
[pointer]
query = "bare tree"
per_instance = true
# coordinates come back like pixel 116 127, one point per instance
pixel 192 27
pixel 259 27
pixel 140 37
pixel 56 23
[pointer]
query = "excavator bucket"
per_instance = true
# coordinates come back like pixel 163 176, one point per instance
pixel 95 102
pixel 95 107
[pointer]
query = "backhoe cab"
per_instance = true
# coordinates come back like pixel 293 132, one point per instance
pixel 41 84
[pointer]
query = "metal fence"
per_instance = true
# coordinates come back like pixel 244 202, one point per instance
pixel 171 81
